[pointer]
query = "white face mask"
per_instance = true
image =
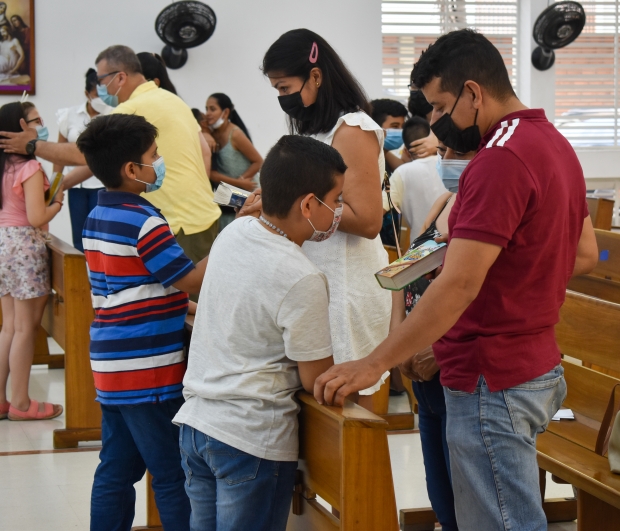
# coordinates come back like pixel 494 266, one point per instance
pixel 99 106
pixel 218 123
pixel 322 235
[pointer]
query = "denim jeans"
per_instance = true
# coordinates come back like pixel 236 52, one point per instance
pixel 81 203
pixel 492 441
pixel 233 491
pixel 432 423
pixel 136 438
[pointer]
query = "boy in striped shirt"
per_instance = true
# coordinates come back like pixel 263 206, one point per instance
pixel 140 279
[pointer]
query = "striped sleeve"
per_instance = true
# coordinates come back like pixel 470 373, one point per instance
pixel 160 252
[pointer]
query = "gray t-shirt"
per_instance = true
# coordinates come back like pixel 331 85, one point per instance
pixel 263 307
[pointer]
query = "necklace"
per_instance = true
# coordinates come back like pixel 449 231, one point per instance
pixel 272 226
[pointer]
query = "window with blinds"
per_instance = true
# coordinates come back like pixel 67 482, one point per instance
pixel 409 26
pixel 586 82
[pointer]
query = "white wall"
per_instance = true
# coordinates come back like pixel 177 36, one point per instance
pixel 70 34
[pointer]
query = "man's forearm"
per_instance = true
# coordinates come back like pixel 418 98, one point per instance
pixel 434 315
pixel 65 154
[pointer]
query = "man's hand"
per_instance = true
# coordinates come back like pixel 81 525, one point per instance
pixel 16 142
pixel 340 381
pixel 252 206
pixel 425 147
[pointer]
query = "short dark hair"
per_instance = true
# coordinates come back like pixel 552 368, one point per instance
pixel 385 107
pixel 121 58
pixel 339 93
pixel 463 55
pixel 110 142
pixel 91 80
pixel 296 166
pixel 414 129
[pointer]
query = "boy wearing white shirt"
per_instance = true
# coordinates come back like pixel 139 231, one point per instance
pixel 261 333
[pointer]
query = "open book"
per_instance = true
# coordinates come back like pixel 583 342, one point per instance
pixel 229 195
pixel 414 264
pixel 51 192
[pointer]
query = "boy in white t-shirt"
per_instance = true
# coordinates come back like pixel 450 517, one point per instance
pixel 261 333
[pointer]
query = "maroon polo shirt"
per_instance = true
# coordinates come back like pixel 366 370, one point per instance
pixel 525 192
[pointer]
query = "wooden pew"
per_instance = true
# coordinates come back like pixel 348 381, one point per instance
pixel 344 459
pixel 604 281
pixel 588 331
pixel 67 319
pixel 601 212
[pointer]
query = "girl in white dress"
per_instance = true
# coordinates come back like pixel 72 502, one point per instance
pixel 325 101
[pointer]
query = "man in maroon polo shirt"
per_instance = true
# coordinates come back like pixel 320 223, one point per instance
pixel 519 230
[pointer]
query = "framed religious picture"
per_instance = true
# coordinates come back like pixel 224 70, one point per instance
pixel 17 47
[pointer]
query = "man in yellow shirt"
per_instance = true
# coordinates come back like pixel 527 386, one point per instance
pixel 186 197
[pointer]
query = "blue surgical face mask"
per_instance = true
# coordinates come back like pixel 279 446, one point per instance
pixel 42 132
pixel 160 173
pixel 108 99
pixel 393 139
pixel 450 172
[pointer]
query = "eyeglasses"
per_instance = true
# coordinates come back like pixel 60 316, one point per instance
pixel 103 76
pixel 37 120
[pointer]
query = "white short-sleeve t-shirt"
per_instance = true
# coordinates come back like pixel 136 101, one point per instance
pixel 263 307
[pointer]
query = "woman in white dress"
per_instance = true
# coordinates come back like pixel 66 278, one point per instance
pixel 324 100
pixel 11 53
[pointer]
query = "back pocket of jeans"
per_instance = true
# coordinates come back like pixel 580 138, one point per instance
pixel 234 466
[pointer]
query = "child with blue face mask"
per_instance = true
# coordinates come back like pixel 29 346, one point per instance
pixel 451 164
pixel 34 121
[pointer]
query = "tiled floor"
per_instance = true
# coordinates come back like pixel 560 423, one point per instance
pixel 51 491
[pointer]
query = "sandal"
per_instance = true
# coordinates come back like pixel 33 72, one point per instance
pixel 50 411
pixel 4 410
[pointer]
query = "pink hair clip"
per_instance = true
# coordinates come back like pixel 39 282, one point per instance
pixel 314 53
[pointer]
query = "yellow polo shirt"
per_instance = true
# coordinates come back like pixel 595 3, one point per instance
pixel 186 197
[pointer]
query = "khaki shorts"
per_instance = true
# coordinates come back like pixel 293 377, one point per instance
pixel 197 246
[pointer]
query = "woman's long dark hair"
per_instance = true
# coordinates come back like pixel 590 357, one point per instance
pixel 153 66
pixel 225 103
pixel 10 116
pixel 339 93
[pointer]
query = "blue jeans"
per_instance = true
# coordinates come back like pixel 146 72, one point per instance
pixel 492 441
pixel 232 491
pixel 81 203
pixel 432 422
pixel 136 438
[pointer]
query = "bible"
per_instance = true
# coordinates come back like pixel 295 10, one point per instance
pixel 414 264
pixel 229 195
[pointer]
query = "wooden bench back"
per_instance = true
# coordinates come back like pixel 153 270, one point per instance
pixel 601 212
pixel 67 319
pixel 344 459
pixel 588 331
pixel 604 281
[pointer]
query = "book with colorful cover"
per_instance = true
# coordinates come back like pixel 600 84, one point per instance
pixel 229 195
pixel 414 264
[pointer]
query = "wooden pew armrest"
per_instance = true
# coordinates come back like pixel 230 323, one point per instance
pixel 579 466
pixel 350 415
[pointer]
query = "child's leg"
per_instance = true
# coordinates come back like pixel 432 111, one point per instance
pixel 200 483
pixel 26 321
pixel 6 338
pixel 113 497
pixel 157 439
pixel 250 489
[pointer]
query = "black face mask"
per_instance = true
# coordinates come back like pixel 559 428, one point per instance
pixel 462 141
pixel 418 106
pixel 293 105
